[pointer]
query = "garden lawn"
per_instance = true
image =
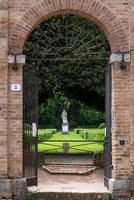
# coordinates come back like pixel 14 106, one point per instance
pixel 83 146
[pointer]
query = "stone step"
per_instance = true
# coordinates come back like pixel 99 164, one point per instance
pixel 68 196
pixel 69 169
pixel 69 159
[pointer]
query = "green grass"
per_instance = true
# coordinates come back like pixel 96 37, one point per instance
pixel 80 147
pixel 42 131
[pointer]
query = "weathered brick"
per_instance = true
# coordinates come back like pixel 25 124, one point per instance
pixel 17 20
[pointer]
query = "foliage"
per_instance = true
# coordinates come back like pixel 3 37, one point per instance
pixel 91 115
pixel 50 112
pixel 75 79
pixel 102 125
pixel 78 114
pixel 44 134
pixel 91 134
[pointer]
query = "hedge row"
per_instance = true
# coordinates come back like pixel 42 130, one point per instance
pixel 90 134
pixel 46 134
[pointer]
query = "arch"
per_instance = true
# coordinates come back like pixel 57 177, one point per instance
pixel 93 10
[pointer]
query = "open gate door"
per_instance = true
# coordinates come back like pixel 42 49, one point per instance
pixel 30 120
pixel 107 153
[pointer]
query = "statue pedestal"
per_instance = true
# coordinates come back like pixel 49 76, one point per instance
pixel 65 128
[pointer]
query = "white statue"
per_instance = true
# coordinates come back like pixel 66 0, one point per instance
pixel 64 117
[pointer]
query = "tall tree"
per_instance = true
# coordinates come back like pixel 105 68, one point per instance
pixel 71 55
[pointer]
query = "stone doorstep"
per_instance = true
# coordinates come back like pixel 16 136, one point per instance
pixel 69 169
pixel 16 189
pixel 68 196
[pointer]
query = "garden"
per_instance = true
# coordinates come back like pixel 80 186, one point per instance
pixel 75 83
pixel 77 141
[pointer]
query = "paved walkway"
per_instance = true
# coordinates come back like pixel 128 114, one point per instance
pixel 71 183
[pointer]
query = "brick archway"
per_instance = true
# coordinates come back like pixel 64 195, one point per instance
pixel 93 10
pixel 117 37
pixel 23 19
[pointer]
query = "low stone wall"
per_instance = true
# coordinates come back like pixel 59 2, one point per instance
pixel 13 189
pixel 75 159
pixel 5 189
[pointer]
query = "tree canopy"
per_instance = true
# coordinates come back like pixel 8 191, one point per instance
pixel 70 54
pixel 79 114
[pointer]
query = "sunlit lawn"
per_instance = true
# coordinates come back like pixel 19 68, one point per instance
pixel 74 147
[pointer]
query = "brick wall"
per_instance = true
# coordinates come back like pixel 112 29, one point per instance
pixel 15 125
pixel 94 10
pixel 131 90
pixel 19 18
pixel 120 122
pixel 3 87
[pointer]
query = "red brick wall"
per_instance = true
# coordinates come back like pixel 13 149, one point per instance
pixel 121 122
pixel 131 91
pixel 15 125
pixel 101 13
pixel 3 88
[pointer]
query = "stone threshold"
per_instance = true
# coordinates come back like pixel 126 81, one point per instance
pixel 38 195
pixel 69 169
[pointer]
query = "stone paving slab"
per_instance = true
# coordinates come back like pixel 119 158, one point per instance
pixel 93 182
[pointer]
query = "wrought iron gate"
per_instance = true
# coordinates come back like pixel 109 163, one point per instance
pixel 30 118
pixel 108 161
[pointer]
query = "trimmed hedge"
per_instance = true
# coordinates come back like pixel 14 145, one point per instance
pixel 91 134
pixel 45 134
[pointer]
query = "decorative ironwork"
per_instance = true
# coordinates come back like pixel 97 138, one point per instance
pixel 65 146
pixel 67 37
pixel 30 116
